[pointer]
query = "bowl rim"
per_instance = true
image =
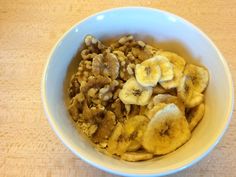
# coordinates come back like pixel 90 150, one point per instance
pixel 178 167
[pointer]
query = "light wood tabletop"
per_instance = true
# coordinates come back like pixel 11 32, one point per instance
pixel 28 31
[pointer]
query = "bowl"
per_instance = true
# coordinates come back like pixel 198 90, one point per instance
pixel 170 32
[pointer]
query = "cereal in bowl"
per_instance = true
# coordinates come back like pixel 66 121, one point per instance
pixel 136 101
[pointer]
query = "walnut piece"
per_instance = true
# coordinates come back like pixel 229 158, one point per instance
pixel 120 55
pixel 141 54
pixel 87 55
pixel 106 65
pixel 87 128
pixel 95 82
pixel 125 39
pixel 74 87
pixel 75 108
pixel 93 44
pixel 93 114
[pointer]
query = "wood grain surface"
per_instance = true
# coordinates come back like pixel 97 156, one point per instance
pixel 28 31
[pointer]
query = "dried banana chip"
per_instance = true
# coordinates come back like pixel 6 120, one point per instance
pixel 128 136
pixel 154 109
pixel 178 67
pixel 166 131
pixel 176 60
pixel 167 98
pixel 187 94
pixel 167 72
pixel 117 144
pixel 148 73
pixel 136 156
pixel 134 93
pixel 195 116
pixel 198 75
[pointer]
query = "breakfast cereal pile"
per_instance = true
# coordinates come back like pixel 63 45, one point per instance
pixel 136 101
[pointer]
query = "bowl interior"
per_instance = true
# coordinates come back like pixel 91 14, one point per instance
pixel 171 33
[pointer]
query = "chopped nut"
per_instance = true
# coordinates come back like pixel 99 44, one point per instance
pixel 105 93
pixel 92 92
pixel 114 84
pixel 141 54
pixel 94 40
pixel 87 128
pixel 123 63
pixel 107 96
pixel 141 43
pixel 80 68
pixel 74 87
pixel 125 39
pixel 75 106
pixel 89 67
pixel 93 44
pixel 95 82
pixel 86 73
pixel 120 55
pixel 151 49
pixel 83 72
pixel 93 114
pixel 130 56
pixel 92 129
pixel 88 40
pixel 103 144
pixel 97 101
pixel 122 75
pixel 123 48
pixel 132 65
pixel 130 70
pixel 104 90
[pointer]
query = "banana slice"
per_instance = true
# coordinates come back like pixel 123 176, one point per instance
pixel 127 136
pixel 172 83
pixel 196 99
pixel 176 60
pixel 136 156
pixel 154 109
pixel 187 94
pixel 199 76
pixel 195 116
pixel 167 72
pixel 134 130
pixel 166 131
pixel 148 73
pixel 133 93
pixel 178 67
pixel 167 98
pixel 116 145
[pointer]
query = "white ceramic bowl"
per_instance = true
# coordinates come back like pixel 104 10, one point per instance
pixel 172 33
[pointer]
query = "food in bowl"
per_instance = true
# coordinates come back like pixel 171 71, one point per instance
pixel 136 101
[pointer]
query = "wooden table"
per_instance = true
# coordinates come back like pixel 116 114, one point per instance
pixel 28 31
